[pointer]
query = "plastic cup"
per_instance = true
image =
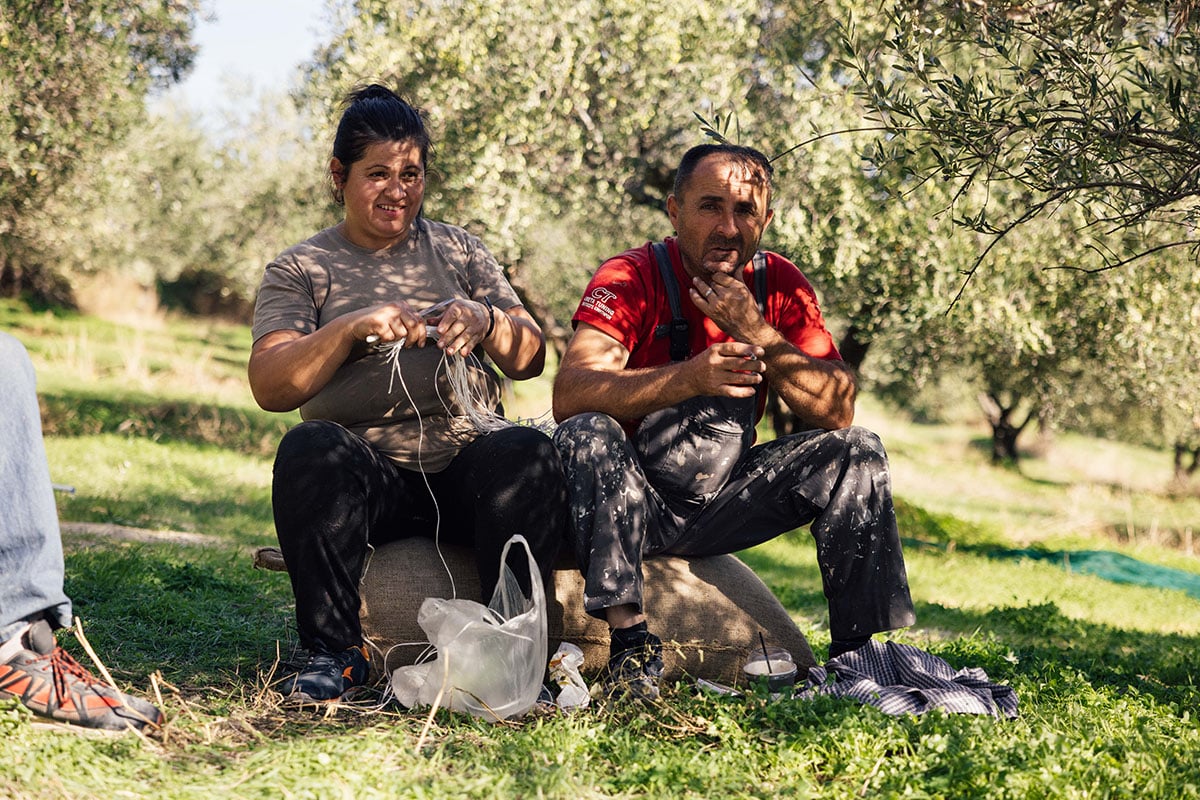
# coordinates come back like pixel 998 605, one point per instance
pixel 775 670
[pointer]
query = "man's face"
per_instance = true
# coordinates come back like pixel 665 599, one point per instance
pixel 720 216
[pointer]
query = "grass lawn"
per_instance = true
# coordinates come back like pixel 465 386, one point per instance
pixel 155 429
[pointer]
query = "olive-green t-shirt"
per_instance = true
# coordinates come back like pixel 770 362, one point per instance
pixel 419 424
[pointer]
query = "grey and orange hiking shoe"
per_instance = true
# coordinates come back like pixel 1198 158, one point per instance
pixel 327 676
pixel 50 683
pixel 634 667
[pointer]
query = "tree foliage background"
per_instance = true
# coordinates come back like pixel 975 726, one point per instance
pixel 1089 103
pixel 994 201
pixel 559 123
pixel 73 81
pixel 1068 138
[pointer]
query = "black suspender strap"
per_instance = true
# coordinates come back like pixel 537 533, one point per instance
pixel 759 269
pixel 760 281
pixel 677 328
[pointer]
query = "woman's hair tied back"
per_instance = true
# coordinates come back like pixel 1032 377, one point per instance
pixel 374 114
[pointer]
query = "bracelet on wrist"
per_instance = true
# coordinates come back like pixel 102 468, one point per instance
pixel 491 311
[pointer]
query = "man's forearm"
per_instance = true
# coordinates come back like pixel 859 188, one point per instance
pixel 820 392
pixel 622 394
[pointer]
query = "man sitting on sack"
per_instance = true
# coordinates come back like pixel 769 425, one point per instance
pixel 658 395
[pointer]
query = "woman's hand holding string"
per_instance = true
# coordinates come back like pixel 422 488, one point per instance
pixel 287 368
pixel 511 338
pixel 389 322
pixel 462 324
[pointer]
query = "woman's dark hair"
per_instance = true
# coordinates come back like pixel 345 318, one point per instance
pixel 375 114
pixel 752 159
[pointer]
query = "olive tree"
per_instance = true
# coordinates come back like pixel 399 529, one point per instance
pixel 1069 132
pixel 73 78
pixel 197 217
pixel 1085 103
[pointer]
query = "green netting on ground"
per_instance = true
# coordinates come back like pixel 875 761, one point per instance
pixel 1112 566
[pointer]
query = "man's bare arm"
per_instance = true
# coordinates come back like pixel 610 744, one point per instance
pixel 593 377
pixel 820 392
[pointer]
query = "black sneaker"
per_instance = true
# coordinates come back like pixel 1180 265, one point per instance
pixel 635 672
pixel 327 676
pixel 50 683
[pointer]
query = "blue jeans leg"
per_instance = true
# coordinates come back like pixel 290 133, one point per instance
pixel 31 556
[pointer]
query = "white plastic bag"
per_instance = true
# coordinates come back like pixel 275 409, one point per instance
pixel 490 660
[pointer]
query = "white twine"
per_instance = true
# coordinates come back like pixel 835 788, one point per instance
pixel 474 402
pixel 472 398
pixel 391 351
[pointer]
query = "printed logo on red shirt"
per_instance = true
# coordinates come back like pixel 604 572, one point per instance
pixel 597 301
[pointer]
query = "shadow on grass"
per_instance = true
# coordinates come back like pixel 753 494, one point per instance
pixel 1035 643
pixel 1047 643
pixel 202 615
pixel 213 626
pixel 242 516
pixel 983 446
pixel 244 431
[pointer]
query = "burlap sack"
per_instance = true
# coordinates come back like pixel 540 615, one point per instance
pixel 708 611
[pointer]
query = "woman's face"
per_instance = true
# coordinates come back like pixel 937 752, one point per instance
pixel 383 193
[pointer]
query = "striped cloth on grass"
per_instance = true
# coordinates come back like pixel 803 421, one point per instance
pixel 902 679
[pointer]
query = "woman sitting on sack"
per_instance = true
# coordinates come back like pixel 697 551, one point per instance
pixel 371 464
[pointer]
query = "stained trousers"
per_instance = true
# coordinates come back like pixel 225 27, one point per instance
pixel 31 556
pixel 837 481
pixel 334 495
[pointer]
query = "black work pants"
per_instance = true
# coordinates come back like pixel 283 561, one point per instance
pixel 836 480
pixel 334 495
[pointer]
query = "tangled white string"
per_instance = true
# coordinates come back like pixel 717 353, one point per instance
pixel 472 397
pixel 391 352
pixel 473 400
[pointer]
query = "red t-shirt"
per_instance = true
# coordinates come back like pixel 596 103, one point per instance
pixel 627 300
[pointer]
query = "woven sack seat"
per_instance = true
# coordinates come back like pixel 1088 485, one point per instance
pixel 709 611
